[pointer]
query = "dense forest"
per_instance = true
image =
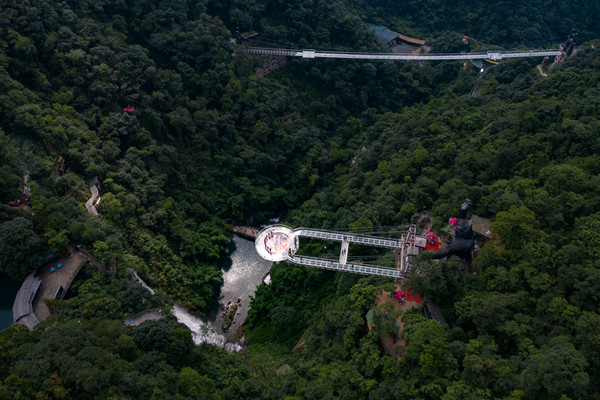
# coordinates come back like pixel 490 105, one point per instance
pixel 323 143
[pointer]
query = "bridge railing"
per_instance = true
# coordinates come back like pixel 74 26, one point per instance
pixel 354 268
pixel 273 52
pixel 492 55
pixel 350 237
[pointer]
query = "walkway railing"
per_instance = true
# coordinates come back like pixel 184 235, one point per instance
pixel 354 268
pixel 23 305
pixel 350 237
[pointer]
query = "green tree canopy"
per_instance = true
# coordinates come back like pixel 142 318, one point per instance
pixel 20 248
pixel 557 370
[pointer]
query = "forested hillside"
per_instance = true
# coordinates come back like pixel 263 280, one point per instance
pixel 327 144
pixel 510 24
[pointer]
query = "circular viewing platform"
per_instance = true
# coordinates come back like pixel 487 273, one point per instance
pixel 276 243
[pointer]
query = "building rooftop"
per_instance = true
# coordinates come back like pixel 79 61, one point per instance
pixel 383 33
pixel 481 225
pixel 386 36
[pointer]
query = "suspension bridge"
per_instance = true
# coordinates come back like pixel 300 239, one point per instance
pixel 561 53
pixel 488 55
pixel 280 243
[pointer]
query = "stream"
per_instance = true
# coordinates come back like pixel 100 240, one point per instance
pixel 240 280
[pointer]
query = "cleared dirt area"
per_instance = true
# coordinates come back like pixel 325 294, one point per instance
pixel 389 342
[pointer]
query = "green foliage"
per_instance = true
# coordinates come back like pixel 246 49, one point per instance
pixel 588 230
pixel 100 360
pixel 20 248
pixel 103 307
pixel 504 26
pixel 427 347
pixel 288 303
pixel 282 318
pixel 170 338
pixel 438 281
pixel 556 371
pixel 194 385
pixel 362 295
pixel 516 227
pixel 59 241
pixel 9 179
pixel 352 146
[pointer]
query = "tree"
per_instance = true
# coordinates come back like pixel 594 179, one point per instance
pixel 427 348
pixel 588 340
pixel 112 206
pixel 283 318
pixel 102 307
pixel 557 370
pixel 362 295
pixel 484 369
pixel 59 241
pixel 436 280
pixel 588 235
pixel 459 390
pixel 563 178
pixel 9 179
pixel 20 248
pixel 516 227
pixel 195 385
pixel 169 337
pixel 83 232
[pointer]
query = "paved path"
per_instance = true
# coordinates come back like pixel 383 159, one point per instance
pixel 90 258
pixel 147 315
pixel 137 278
pixel 23 305
pixel 29 307
pixel 56 284
pixel 94 200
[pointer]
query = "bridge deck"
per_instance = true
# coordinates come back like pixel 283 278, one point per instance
pixel 354 268
pixel 350 237
pixel 344 252
pixel 491 55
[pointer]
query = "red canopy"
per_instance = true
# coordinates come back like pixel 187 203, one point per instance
pixel 399 294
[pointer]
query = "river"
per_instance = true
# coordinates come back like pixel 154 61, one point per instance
pixel 8 292
pixel 240 280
